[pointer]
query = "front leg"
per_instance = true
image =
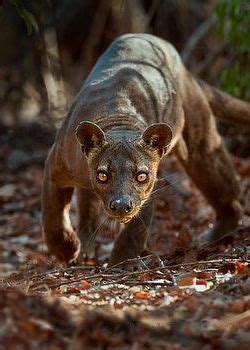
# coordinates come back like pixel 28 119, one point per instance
pixel 133 239
pixel 59 235
pixel 87 207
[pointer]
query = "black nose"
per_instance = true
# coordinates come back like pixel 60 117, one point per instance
pixel 121 205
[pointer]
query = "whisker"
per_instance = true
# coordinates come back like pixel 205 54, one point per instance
pixel 146 229
pixel 116 228
pixel 93 235
pixel 146 204
pixel 170 177
pixel 143 223
pixel 111 229
pixel 157 190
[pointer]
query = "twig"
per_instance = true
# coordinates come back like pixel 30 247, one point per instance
pixel 125 262
pixel 161 263
pixel 96 32
pixel 203 66
pixel 199 34
pixel 62 270
pixel 152 11
pixel 124 274
pixel 143 263
pixel 205 246
pixel 150 283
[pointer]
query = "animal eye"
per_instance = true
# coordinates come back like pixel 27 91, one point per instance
pixel 102 176
pixel 142 177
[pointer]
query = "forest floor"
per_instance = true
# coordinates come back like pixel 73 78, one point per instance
pixel 181 296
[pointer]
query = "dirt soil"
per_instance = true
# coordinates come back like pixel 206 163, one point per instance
pixel 181 296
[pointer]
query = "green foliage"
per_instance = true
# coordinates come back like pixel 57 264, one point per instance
pixel 27 16
pixel 234 28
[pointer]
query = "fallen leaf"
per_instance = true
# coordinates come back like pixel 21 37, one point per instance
pixel 187 281
pixel 144 276
pixel 142 295
pixel 85 284
pixel 90 262
pixel 242 268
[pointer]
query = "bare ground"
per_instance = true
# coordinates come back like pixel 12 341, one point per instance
pixel 180 297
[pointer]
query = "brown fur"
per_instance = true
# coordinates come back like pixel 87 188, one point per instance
pixel 140 103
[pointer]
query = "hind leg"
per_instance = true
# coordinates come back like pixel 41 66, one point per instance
pixel 87 205
pixel 207 162
pixel 214 176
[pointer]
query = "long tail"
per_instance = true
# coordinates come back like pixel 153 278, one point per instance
pixel 225 106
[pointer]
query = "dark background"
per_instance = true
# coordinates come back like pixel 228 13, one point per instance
pixel 48 47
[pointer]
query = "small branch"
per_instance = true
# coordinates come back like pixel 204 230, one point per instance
pixel 125 274
pixel 52 74
pixel 128 261
pixel 62 270
pixel 194 40
pixel 203 66
pixel 150 283
pixel 204 247
pixel 152 11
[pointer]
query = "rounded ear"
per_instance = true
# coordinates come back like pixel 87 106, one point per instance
pixel 158 136
pixel 90 136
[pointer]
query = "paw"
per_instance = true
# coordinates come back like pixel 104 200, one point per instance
pixel 217 232
pixel 65 247
pixel 123 258
pixel 87 251
pixel 227 222
pixel 83 258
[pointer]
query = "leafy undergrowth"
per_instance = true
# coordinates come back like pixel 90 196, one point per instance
pixel 182 296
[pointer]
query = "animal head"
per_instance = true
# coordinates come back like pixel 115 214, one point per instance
pixel 123 165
